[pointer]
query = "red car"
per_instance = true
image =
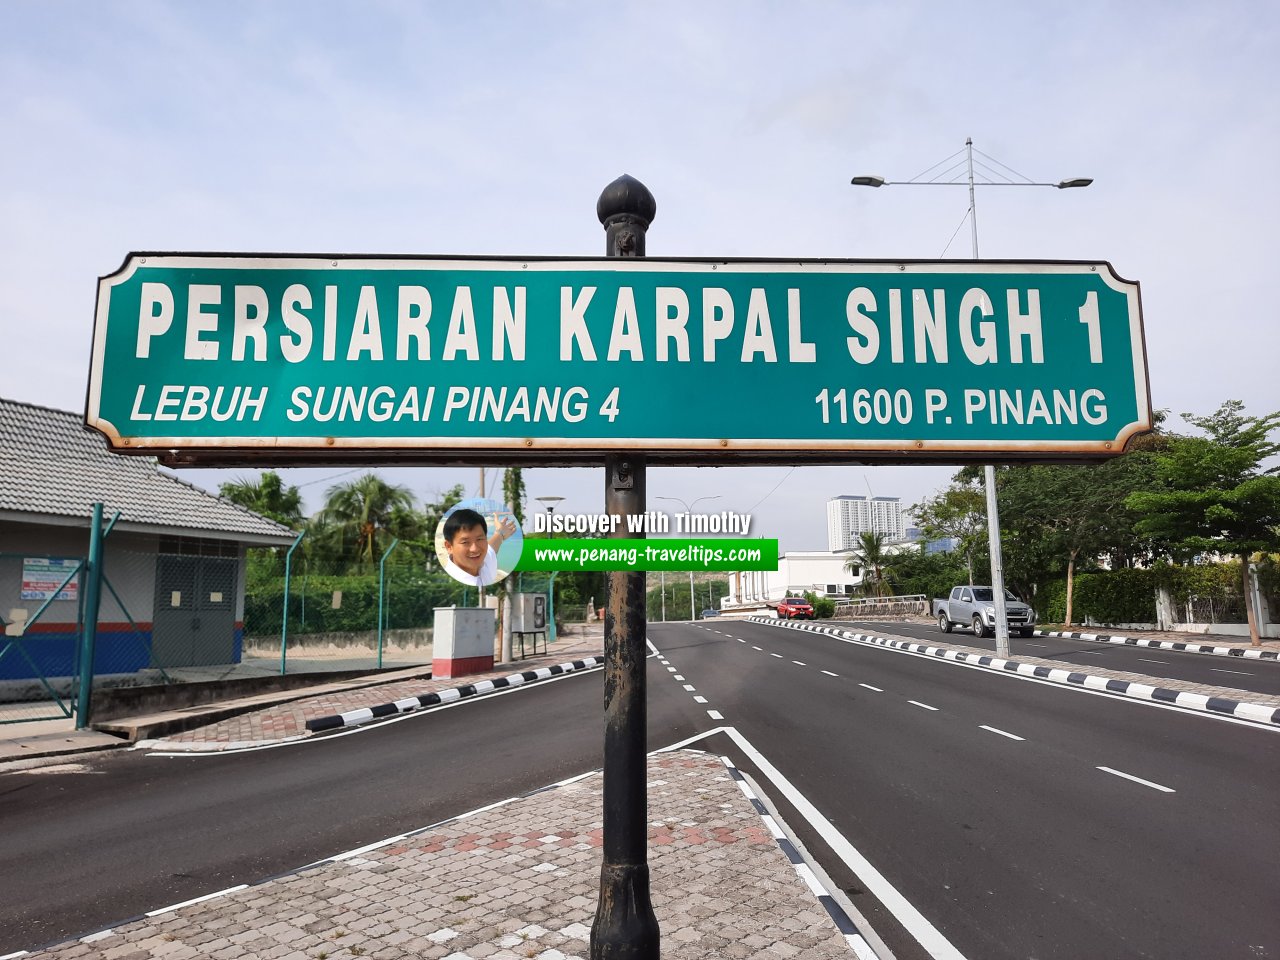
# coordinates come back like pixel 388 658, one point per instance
pixel 795 608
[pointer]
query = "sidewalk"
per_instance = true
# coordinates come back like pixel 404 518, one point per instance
pixel 262 718
pixel 516 881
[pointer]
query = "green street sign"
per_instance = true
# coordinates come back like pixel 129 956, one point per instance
pixel 228 359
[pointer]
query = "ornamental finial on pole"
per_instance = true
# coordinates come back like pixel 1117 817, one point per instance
pixel 626 208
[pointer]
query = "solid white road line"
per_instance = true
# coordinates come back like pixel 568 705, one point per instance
pixel 924 705
pixel 1145 783
pixel 1003 733
pixel 870 687
pixel 938 946
pixel 192 902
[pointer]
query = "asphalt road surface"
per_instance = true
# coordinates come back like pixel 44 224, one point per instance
pixel 1022 819
pixel 1019 819
pixel 1258 676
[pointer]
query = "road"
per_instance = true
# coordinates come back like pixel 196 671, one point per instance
pixel 1007 847
pixel 1011 847
pixel 1257 676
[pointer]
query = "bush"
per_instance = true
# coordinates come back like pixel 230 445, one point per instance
pixel 1101 596
pixel 411 594
pixel 824 608
pixel 1116 596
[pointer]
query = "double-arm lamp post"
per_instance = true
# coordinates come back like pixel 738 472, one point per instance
pixel 993 513
pixel 688 508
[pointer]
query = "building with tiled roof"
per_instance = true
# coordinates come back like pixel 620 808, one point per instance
pixel 174 561
pixel 53 470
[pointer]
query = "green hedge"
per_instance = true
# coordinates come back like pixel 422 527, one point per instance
pixel 1128 596
pixel 411 596
pixel 1104 596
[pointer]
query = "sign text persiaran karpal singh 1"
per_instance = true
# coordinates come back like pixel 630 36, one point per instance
pixel 908 325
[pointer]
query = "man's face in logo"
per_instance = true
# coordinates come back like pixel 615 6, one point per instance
pixel 468 548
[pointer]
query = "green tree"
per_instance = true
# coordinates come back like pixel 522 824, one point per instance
pixel 958 513
pixel 930 574
pixel 1060 513
pixel 360 518
pixel 268 496
pixel 1214 495
pixel 871 557
pixel 513 492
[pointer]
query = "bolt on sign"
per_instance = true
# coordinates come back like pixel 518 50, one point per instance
pixel 227 359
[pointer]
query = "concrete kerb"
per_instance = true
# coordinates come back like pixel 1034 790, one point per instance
pixel 1247 653
pixel 408 704
pixel 1240 710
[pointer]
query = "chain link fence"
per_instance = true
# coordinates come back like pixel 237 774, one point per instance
pixel 332 615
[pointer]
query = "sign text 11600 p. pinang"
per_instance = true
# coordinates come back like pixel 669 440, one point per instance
pixel 219 358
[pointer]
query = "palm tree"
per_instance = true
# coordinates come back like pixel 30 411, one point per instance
pixel 368 512
pixel 267 496
pixel 870 556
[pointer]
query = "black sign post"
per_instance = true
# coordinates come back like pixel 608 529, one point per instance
pixel 625 926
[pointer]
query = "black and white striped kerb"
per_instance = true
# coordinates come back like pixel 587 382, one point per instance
pixel 1243 652
pixel 848 929
pixel 408 704
pixel 1255 712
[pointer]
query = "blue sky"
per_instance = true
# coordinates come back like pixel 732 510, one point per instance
pixel 400 127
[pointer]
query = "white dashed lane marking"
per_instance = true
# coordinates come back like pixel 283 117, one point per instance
pixel 1154 661
pixel 690 687
pixel 715 715
pixel 1145 783
pixel 799 664
pixel 699 699
pixel 778 655
pixel 757 648
pixel 830 674
pixel 924 706
pixel 1240 672
pixel 1003 733
pixel 870 687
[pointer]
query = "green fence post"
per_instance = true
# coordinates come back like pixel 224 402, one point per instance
pixel 92 601
pixel 551 606
pixel 284 619
pixel 382 570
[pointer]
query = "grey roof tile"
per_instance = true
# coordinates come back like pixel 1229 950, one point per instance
pixel 50 463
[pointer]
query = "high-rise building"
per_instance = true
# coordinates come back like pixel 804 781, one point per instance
pixel 849 516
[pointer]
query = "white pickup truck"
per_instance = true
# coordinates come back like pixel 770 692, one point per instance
pixel 976 607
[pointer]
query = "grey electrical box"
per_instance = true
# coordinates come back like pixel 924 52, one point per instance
pixel 529 613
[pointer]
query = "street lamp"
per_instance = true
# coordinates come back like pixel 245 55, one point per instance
pixel 688 508
pixel 549 503
pixel 989 471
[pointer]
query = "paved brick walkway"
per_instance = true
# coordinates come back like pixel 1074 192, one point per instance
pixel 290 719
pixel 517 881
